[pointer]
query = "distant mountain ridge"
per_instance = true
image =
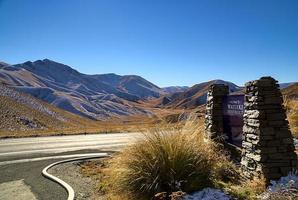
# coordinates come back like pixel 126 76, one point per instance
pixel 285 85
pixel 101 96
pixel 174 89
pixel 197 95
pixel 130 87
pixel 193 96
pixel 93 96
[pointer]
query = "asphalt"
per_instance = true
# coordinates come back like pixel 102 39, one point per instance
pixel 24 158
pixel 30 173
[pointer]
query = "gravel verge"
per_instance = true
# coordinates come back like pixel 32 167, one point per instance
pixel 84 187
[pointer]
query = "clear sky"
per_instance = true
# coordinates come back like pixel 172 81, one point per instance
pixel 167 42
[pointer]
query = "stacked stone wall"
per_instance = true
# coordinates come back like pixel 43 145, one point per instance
pixel 268 147
pixel 214 112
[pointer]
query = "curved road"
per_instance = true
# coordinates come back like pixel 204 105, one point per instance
pixel 22 160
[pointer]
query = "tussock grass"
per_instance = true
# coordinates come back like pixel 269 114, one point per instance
pixel 168 160
pixel 245 190
pixel 291 106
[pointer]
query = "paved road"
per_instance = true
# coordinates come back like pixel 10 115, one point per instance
pixel 22 160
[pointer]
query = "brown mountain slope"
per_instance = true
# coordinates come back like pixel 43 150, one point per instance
pixel 16 116
pixel 291 92
pixel 20 112
pixel 95 96
pixel 23 115
pixel 192 97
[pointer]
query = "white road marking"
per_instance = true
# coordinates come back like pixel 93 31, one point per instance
pixel 70 191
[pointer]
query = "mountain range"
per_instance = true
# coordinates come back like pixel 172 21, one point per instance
pixel 101 96
pixel 193 96
pixel 93 96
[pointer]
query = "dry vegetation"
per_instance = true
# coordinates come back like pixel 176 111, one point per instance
pixel 22 115
pixel 20 120
pixel 290 96
pixel 292 114
pixel 80 125
pixel 170 160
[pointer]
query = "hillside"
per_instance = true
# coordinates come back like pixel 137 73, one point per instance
pixel 103 96
pixel 92 96
pixel 16 116
pixel 194 96
pixel 291 92
pixel 24 113
pixel 285 85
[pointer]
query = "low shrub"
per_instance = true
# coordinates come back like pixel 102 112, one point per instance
pixel 168 160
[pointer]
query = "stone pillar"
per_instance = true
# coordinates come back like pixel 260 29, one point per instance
pixel 268 147
pixel 214 112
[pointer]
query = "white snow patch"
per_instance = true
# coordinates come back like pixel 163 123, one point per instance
pixel 291 180
pixel 208 194
pixel 284 186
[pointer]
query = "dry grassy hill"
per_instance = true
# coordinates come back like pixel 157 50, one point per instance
pixel 290 94
pixel 24 115
pixel 16 116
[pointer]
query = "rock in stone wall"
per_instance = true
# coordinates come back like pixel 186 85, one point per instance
pixel 214 113
pixel 268 147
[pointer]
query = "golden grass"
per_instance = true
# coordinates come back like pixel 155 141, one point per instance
pixel 177 158
pixel 246 190
pixel 158 162
pixel 168 160
pixel 291 106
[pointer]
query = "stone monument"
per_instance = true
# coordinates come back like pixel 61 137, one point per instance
pixel 267 143
pixel 268 147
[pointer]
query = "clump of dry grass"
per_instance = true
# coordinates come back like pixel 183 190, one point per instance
pixel 291 106
pixel 168 160
pixel 246 190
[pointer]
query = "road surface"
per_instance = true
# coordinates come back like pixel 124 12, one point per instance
pixel 22 160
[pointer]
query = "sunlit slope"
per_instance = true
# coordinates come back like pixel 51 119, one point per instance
pixel 97 96
pixel 290 94
pixel 23 113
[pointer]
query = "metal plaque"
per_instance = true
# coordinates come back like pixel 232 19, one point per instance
pixel 233 109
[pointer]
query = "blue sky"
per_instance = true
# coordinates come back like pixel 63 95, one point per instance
pixel 167 42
